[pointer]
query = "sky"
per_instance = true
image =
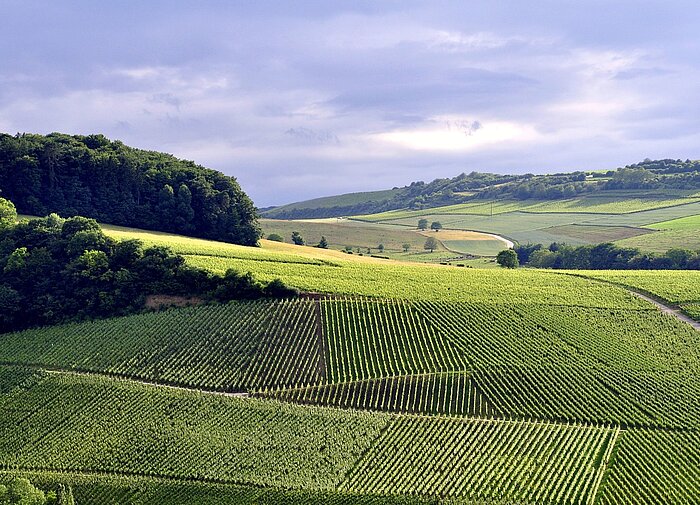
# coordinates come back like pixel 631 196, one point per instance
pixel 312 98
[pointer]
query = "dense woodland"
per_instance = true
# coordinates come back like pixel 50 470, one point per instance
pixel 94 177
pixel 54 270
pixel 647 175
pixel 605 256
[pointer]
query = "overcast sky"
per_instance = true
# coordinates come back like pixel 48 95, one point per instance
pixel 310 98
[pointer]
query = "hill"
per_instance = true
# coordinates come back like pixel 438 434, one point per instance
pixel 94 177
pixel 651 176
pixel 402 384
pixel 393 383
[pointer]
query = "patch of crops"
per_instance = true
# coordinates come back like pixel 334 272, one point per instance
pixel 373 339
pixel 443 394
pixel 229 347
pixel 69 423
pixel 485 461
pixel 692 310
pixel 654 467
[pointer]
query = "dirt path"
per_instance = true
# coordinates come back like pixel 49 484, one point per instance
pixel 662 305
pixel 666 309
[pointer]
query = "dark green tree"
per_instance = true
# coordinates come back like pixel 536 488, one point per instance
pixel 430 244
pixel 297 238
pixel 507 258
pixel 323 243
pixel 275 237
pixel 422 224
pixel 436 226
pixel 406 247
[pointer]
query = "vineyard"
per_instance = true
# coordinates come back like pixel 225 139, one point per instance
pixel 401 385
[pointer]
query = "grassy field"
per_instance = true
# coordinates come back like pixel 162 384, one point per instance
pixel 345 200
pixel 683 223
pixel 625 216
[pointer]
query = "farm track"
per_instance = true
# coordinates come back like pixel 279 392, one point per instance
pixel 666 309
pixel 664 306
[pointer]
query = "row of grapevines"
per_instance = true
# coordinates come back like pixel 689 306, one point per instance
pixel 442 393
pixel 373 339
pixel 72 423
pixel 225 347
pixel 484 461
pixel 654 466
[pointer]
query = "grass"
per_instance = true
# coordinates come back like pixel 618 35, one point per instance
pixel 662 241
pixel 597 234
pixel 344 200
pixel 683 223
pixel 343 232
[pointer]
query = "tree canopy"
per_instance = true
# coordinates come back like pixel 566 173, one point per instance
pixel 113 183
pixel 58 269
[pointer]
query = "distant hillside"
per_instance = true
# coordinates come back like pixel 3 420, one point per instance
pixel 109 181
pixel 647 175
pixel 332 206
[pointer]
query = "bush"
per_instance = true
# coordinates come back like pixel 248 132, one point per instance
pixel 275 237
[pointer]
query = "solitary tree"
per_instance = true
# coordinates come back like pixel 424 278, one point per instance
pixel 406 247
pixel 436 225
pixel 381 248
pixel 430 244
pixel 296 238
pixel 507 258
pixel 422 224
pixel 323 244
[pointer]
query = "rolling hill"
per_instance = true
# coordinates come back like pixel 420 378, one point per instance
pixel 390 383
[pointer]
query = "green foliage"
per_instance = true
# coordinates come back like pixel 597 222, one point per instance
pixel 135 429
pixel 8 213
pixel 106 180
pixel 297 238
pixel 469 459
pixel 275 237
pixel 323 243
pixel 606 256
pixel 58 270
pixel 406 247
pixel 430 244
pixel 234 347
pixel 422 224
pixel 436 226
pixel 507 258
pixel 21 492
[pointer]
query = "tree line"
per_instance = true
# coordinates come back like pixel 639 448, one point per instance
pixel 606 256
pixel 55 270
pixel 94 177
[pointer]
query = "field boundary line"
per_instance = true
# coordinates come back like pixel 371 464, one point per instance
pixel 604 466
pixel 666 307
pixel 120 377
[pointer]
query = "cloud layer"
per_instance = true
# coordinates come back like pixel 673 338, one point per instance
pixel 304 99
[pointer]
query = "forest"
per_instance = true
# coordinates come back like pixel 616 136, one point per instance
pixel 95 177
pixel 54 270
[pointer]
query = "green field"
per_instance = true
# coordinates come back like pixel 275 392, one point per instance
pixel 394 383
pixel 344 232
pixel 683 223
pixel 623 217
